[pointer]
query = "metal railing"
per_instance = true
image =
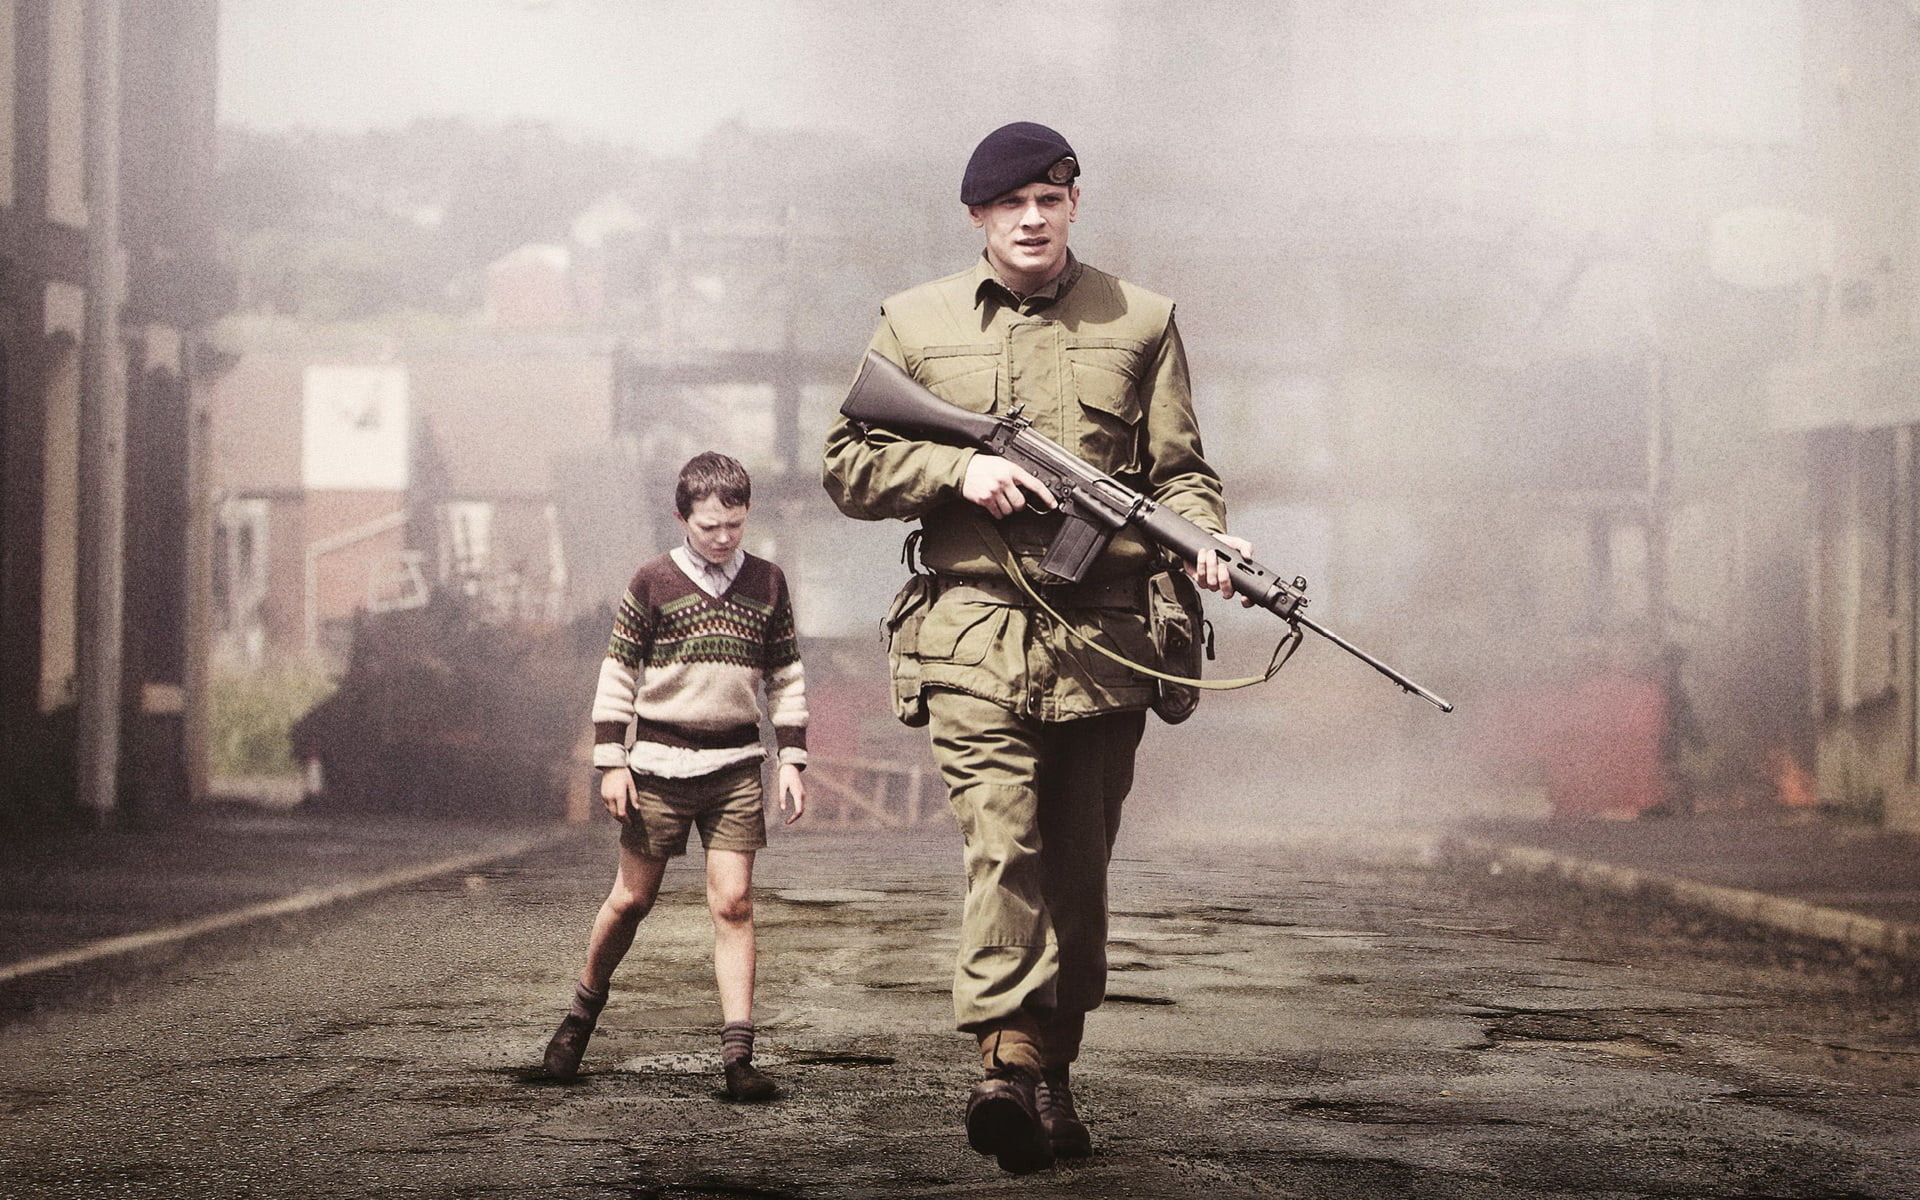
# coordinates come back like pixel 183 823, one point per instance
pixel 871 793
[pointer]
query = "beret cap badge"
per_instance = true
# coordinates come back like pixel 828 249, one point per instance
pixel 1013 156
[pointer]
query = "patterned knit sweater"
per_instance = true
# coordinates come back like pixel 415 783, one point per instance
pixel 679 691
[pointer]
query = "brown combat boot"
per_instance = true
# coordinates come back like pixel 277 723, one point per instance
pixel 1003 1119
pixel 1053 1096
pixel 1003 1114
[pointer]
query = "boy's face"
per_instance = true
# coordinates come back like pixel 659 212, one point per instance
pixel 714 529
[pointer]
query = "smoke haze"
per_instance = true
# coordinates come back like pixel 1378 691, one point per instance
pixel 1446 275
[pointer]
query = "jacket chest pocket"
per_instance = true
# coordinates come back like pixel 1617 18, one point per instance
pixel 1106 381
pixel 964 375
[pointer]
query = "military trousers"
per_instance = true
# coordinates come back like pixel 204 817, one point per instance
pixel 1039 805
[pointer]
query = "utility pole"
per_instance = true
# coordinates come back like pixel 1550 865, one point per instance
pixel 103 429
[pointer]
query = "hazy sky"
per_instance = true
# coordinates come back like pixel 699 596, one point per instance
pixel 653 72
pixel 659 73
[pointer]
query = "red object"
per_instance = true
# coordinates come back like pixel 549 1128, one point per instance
pixel 1595 744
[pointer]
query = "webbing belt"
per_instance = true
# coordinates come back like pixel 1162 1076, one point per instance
pixel 1125 593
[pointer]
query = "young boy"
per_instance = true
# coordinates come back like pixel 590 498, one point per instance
pixel 677 742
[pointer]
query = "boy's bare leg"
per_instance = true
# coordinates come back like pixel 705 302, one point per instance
pixel 730 900
pixel 634 887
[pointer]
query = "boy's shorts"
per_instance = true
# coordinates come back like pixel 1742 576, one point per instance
pixel 728 805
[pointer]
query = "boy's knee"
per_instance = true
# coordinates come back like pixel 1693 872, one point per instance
pixel 731 909
pixel 629 905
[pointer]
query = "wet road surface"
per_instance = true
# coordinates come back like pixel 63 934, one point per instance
pixel 1282 1022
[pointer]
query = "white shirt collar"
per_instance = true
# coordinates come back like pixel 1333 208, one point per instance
pixel 711 578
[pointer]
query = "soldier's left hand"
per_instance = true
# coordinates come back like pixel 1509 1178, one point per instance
pixel 793 792
pixel 1211 573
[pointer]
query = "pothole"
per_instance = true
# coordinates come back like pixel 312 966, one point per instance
pixel 1549 1027
pixel 807 1059
pixel 829 896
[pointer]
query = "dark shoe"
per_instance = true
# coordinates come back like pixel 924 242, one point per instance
pixel 1003 1120
pixel 746 1084
pixel 568 1044
pixel 1065 1131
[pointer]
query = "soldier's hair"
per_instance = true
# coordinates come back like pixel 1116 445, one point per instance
pixel 715 475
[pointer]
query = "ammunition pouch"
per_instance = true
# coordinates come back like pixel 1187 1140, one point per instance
pixel 902 631
pixel 1180 635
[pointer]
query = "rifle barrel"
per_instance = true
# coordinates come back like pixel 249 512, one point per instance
pixel 1405 683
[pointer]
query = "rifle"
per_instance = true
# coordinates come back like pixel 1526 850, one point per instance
pixel 1093 506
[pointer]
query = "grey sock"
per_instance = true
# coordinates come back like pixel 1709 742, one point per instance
pixel 736 1042
pixel 586 1003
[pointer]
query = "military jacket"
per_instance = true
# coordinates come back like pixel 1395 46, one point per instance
pixel 1096 364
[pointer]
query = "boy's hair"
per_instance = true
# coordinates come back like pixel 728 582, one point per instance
pixel 715 475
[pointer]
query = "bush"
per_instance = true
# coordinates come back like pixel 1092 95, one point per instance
pixel 249 717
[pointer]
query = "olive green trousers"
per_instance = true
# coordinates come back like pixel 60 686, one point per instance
pixel 1039 807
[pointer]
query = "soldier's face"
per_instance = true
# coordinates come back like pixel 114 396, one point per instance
pixel 1027 232
pixel 714 529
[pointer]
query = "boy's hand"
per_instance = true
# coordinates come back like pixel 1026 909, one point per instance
pixel 793 792
pixel 617 793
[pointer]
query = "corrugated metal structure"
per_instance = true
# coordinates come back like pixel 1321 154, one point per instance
pixel 1847 399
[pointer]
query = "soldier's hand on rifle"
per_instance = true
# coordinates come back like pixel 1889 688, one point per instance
pixel 617 793
pixel 1211 573
pixel 995 485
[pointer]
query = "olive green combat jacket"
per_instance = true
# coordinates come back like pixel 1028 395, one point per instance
pixel 1096 364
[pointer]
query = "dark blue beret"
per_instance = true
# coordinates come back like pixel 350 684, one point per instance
pixel 1013 156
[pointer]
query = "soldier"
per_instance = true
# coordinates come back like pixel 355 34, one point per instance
pixel 1034 735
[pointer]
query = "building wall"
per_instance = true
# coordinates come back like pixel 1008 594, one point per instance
pixel 60 527
pixel 9 49
pixel 1848 401
pixel 66 109
pixel 167 132
pixel 357 530
pixel 1865 578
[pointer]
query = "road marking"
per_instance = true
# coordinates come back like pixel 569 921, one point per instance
pixel 298 902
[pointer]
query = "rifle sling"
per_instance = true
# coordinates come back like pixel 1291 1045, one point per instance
pixel 998 550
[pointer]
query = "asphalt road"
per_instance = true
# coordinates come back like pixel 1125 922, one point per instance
pixel 1283 1022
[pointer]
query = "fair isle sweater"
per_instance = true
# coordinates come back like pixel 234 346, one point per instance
pixel 679 688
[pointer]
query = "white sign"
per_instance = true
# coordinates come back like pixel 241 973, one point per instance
pixel 355 430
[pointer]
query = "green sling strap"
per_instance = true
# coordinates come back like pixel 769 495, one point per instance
pixel 998 550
